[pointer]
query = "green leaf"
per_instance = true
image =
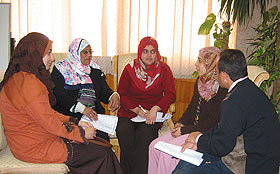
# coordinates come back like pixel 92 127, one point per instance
pixel 273 102
pixel 259 52
pixel 277 94
pixel 195 74
pixel 216 36
pixel 218 44
pixel 205 28
pixel 267 43
pixel 211 18
pixel 254 61
pixel 259 35
pixel 274 76
pixel 265 16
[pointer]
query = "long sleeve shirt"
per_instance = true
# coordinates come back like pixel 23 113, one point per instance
pixel 209 112
pixel 33 129
pixel 246 111
pixel 67 98
pixel 161 95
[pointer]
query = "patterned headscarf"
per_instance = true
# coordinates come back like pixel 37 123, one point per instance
pixel 146 76
pixel 72 69
pixel 28 57
pixel 207 83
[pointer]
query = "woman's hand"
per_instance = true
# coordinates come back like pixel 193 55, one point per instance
pixel 140 112
pixel 90 113
pixel 90 132
pixel 178 125
pixel 176 132
pixel 152 115
pixel 114 103
pixel 84 124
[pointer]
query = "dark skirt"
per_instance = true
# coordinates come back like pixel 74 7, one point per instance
pixel 91 159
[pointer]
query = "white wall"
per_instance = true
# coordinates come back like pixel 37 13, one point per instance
pixel 4 35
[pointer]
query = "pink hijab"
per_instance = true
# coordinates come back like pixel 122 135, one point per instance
pixel 207 84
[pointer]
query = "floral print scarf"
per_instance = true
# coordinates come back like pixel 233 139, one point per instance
pixel 72 69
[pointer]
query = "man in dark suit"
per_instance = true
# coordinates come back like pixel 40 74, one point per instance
pixel 247 138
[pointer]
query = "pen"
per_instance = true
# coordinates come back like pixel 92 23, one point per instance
pixel 142 109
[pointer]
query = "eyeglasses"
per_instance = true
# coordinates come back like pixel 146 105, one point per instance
pixel 86 52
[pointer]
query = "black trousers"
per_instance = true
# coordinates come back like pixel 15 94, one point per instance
pixel 134 139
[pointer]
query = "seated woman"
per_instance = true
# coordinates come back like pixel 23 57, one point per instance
pixel 146 87
pixel 79 87
pixel 35 132
pixel 202 113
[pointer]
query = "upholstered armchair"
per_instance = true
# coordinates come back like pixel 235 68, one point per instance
pixel 257 74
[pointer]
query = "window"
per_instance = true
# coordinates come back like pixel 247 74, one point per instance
pixel 116 26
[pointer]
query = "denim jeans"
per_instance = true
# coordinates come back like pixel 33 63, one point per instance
pixel 210 165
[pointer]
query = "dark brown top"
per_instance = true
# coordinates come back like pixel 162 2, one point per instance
pixel 208 112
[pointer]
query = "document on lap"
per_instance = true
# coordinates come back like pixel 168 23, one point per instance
pixel 158 119
pixel 105 123
pixel 188 155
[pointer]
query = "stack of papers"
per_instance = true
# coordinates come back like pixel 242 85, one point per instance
pixel 105 123
pixel 158 119
pixel 188 155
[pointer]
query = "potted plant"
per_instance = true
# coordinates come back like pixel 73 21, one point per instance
pixel 266 52
pixel 221 33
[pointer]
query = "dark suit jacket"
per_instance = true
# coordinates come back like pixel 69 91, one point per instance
pixel 248 111
pixel 67 98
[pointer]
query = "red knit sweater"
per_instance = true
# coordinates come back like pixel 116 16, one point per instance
pixel 161 95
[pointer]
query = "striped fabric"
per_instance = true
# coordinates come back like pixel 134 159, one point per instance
pixel 9 164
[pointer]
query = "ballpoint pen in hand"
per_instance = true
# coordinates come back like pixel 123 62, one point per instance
pixel 142 109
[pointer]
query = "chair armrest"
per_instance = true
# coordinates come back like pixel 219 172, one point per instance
pixel 172 108
pixel 170 123
pixel 261 77
pixel 257 74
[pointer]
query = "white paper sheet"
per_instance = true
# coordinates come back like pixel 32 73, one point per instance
pixel 188 155
pixel 105 123
pixel 158 119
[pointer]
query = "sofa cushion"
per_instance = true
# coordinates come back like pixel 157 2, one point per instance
pixel 9 164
